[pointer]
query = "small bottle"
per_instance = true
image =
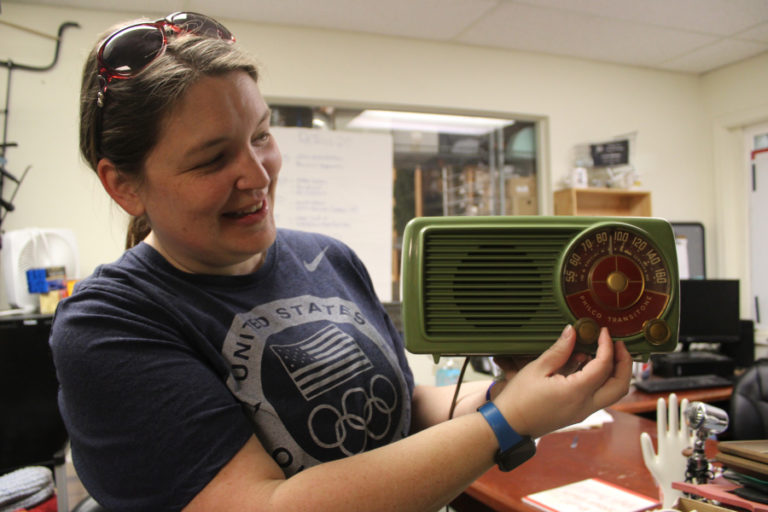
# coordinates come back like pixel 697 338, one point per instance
pixel 579 177
pixel 447 372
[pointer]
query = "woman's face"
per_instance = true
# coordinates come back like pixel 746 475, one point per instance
pixel 209 183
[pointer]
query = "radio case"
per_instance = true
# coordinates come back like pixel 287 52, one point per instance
pixel 508 285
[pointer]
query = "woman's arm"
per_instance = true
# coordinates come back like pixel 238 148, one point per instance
pixel 419 473
pixel 428 469
pixel 432 404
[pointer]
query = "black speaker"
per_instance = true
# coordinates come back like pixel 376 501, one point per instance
pixel 743 352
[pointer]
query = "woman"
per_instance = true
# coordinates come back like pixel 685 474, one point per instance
pixel 224 364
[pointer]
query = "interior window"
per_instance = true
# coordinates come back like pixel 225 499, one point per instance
pixel 443 164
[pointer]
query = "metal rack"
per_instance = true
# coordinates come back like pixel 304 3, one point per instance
pixel 7 206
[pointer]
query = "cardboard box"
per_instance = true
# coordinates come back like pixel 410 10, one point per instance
pixel 522 206
pixel 520 186
pixel 520 196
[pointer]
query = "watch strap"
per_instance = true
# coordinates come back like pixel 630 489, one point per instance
pixel 514 449
pixel 504 433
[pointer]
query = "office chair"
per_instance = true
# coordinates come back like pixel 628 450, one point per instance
pixel 749 403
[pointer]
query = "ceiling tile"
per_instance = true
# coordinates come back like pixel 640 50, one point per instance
pixel 713 56
pixel 140 7
pixel 429 19
pixel 758 33
pixel 721 17
pixel 518 26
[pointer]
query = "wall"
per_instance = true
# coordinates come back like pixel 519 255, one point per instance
pixel 735 99
pixel 580 101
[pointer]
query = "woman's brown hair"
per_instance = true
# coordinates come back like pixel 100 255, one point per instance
pixel 127 127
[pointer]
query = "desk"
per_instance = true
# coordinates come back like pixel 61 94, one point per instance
pixel 30 425
pixel 611 453
pixel 637 401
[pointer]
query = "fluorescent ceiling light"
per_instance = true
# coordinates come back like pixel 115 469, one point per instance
pixel 415 121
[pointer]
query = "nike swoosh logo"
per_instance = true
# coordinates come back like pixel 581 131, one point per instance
pixel 312 265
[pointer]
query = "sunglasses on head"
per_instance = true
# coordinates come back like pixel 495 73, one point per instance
pixel 129 50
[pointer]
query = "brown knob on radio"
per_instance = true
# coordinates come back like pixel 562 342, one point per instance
pixel 656 331
pixel 587 331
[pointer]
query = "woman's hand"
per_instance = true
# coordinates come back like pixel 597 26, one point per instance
pixel 511 365
pixel 560 388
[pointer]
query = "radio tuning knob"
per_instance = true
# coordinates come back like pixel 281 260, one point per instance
pixel 656 331
pixel 617 282
pixel 587 331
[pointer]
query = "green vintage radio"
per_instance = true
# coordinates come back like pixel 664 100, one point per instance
pixel 508 285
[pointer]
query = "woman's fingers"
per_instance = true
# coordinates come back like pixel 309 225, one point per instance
pixel 617 383
pixel 556 356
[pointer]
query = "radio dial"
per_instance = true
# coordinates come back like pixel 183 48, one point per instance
pixel 615 276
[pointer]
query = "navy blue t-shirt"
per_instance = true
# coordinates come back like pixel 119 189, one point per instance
pixel 164 375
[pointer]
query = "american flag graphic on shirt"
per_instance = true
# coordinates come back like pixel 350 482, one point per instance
pixel 323 361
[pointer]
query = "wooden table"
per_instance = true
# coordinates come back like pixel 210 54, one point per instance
pixel 637 401
pixel 611 452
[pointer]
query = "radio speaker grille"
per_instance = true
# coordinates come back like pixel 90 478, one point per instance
pixel 489 282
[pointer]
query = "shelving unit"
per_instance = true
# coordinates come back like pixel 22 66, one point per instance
pixel 603 202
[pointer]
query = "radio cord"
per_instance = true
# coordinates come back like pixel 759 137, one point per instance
pixel 458 387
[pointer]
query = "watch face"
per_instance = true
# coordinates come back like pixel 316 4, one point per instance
pixel 513 457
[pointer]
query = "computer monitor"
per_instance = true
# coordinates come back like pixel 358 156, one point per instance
pixel 709 311
pixel 691 259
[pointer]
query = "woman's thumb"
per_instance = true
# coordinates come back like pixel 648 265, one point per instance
pixel 557 355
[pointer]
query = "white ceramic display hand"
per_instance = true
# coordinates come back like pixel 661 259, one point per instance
pixel 669 465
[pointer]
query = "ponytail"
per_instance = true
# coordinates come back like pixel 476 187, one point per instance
pixel 138 229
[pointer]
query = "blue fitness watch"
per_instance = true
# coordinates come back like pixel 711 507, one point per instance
pixel 514 449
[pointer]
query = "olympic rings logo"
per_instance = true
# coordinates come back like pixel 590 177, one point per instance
pixel 346 422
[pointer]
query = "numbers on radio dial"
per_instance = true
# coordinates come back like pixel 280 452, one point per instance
pixel 616 276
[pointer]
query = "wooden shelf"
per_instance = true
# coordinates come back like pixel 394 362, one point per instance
pixel 603 202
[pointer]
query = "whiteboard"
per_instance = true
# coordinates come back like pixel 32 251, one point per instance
pixel 340 184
